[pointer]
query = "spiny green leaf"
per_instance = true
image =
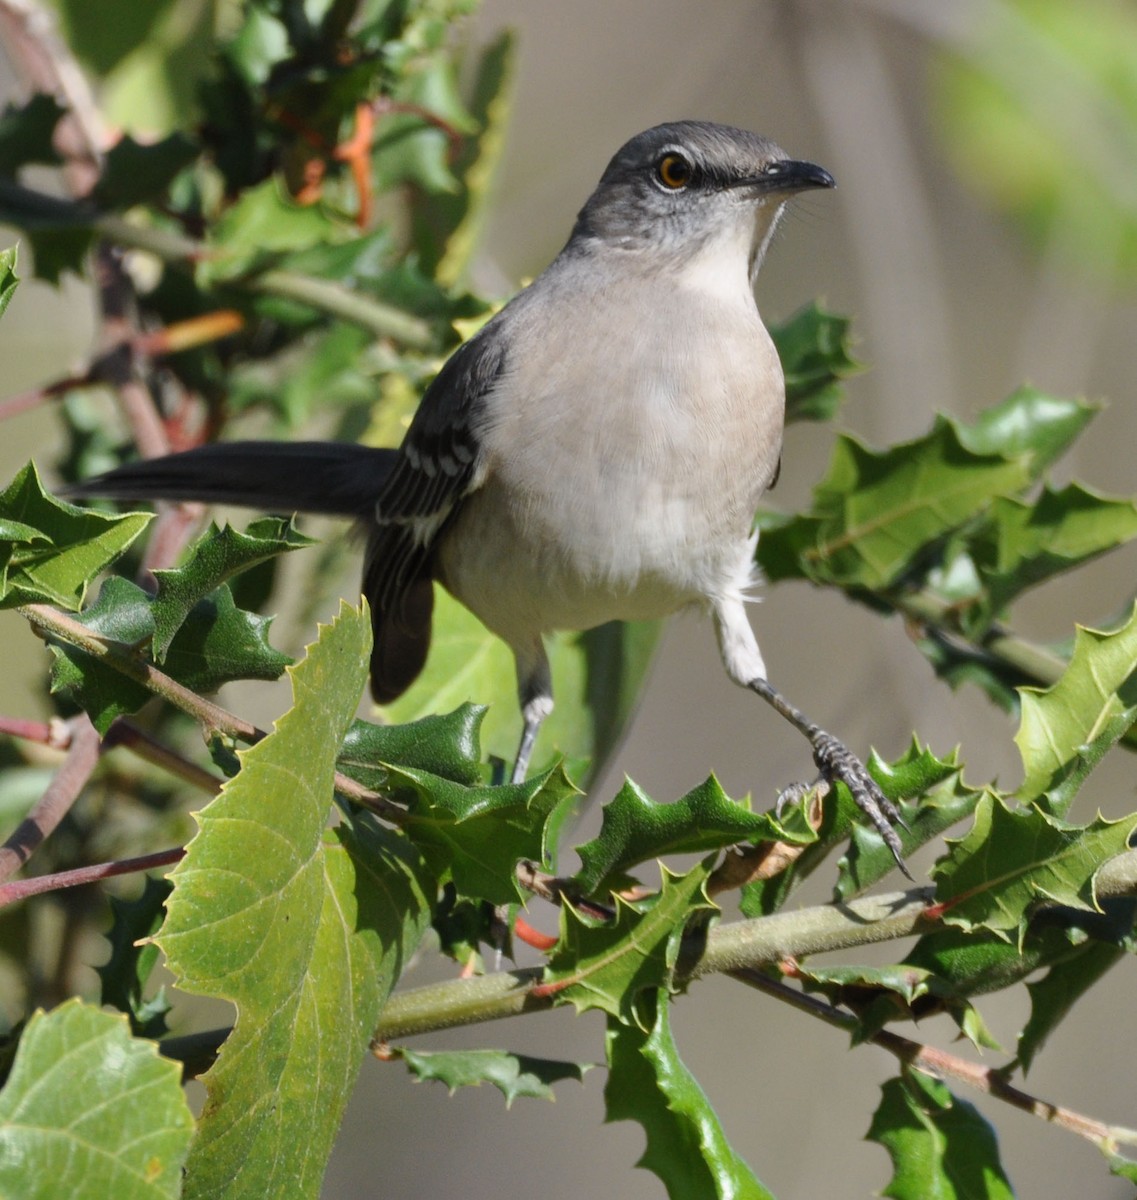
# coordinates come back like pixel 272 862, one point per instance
pixel 1031 425
pixel 513 1075
pixel 878 995
pixel 89 1110
pixel 218 642
pixel 937 798
pixel 305 930
pixel 27 131
pixel 1054 995
pixel 610 965
pixel 8 282
pixel 1067 729
pixel 813 346
pixel 480 833
pixel 134 173
pixel 875 511
pixel 133 956
pixel 1023 544
pixel 635 828
pixel 940 1145
pixel 649 1083
pixel 214 558
pixel 57 548
pixel 1014 859
pixel 447 746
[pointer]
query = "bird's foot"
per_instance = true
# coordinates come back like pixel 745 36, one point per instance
pixel 836 761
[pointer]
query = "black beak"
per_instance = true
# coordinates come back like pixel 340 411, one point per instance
pixel 789 175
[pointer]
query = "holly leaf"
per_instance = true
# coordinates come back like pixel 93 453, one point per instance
pixel 54 549
pixel 609 965
pixel 1055 994
pixel 514 1075
pixel 648 1083
pixel 215 557
pixel 1014 859
pixel 134 173
pixel 27 132
pixel 304 930
pixel 125 974
pixel 217 643
pixel 478 834
pixel 447 746
pixel 813 346
pixel 89 1110
pixel 934 798
pixel 939 1145
pixel 634 829
pixel 1024 544
pixel 875 511
pixel 1066 730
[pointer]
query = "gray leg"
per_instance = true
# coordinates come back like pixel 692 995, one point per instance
pixel 535 691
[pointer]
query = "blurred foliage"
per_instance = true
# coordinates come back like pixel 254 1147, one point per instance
pixel 1038 109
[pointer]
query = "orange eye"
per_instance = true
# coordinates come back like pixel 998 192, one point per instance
pixel 673 171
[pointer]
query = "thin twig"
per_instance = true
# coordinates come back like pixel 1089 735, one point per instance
pixel 144 745
pixel 933 1061
pixel 217 720
pixel 21 889
pixel 57 799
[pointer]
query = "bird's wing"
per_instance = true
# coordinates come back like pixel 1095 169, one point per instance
pixel 437 466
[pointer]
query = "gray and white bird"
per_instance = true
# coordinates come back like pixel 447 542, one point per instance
pixel 595 452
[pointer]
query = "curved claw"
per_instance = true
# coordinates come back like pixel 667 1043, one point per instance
pixel 836 761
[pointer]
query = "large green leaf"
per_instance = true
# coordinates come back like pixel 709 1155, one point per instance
pixel 609 965
pixel 89 1110
pixel 1067 729
pixel 877 514
pixel 1012 860
pixel 876 510
pixel 940 1146
pixel 304 929
pixel 648 1083
pixel 51 550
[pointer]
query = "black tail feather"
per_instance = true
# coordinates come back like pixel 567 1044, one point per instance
pixel 334 478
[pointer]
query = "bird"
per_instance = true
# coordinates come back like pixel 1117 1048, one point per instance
pixel 595 452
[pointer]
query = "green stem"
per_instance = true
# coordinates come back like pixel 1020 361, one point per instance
pixel 29 209
pixel 1035 662
pixel 324 295
pixel 728 947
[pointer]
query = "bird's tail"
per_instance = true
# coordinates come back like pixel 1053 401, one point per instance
pixel 335 478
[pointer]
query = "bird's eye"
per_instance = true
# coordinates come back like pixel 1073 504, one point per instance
pixel 673 171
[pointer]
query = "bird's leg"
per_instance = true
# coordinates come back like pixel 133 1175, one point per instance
pixel 535 690
pixel 743 662
pixel 836 761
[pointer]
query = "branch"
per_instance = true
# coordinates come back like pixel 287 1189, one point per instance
pixel 728 947
pixel 57 799
pixel 21 889
pixel 941 1063
pixel 216 719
